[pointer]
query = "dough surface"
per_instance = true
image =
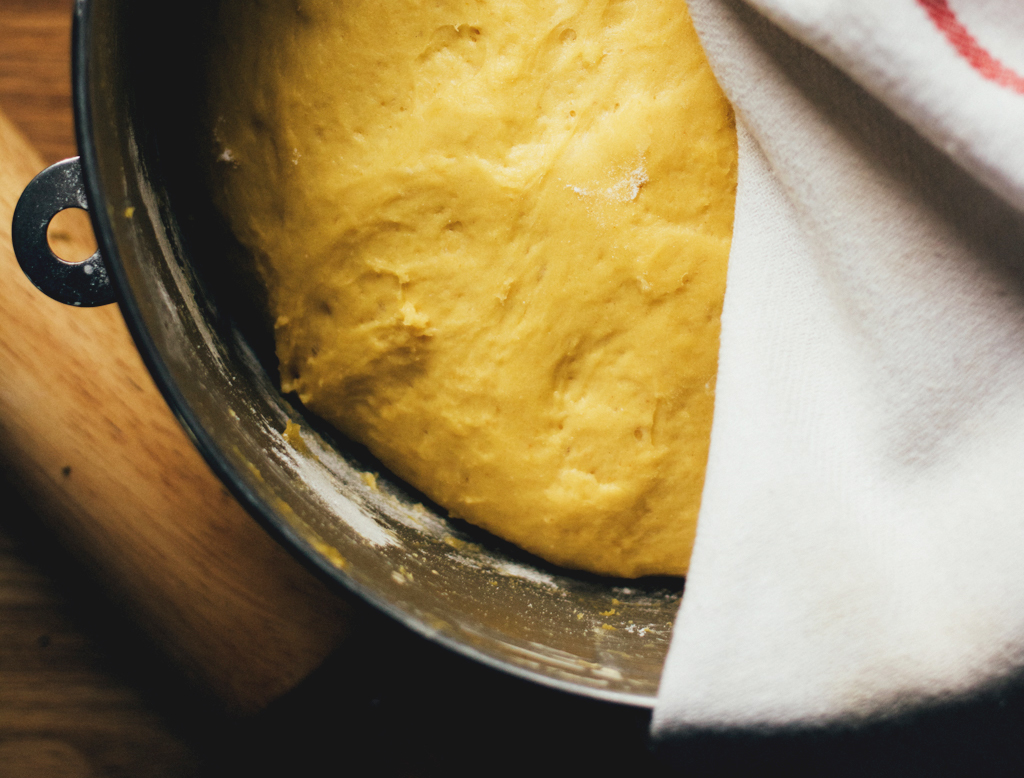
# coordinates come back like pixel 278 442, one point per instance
pixel 494 236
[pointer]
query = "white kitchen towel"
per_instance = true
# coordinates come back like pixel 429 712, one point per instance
pixel 861 542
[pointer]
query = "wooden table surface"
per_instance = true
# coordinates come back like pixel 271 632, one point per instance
pixel 84 692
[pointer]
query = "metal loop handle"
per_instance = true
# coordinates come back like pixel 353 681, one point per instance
pixel 57 188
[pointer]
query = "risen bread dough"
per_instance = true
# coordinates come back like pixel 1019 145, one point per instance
pixel 495 238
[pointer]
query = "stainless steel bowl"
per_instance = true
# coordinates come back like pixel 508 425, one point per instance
pixel 138 70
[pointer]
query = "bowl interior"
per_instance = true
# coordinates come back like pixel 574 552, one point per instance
pixel 196 318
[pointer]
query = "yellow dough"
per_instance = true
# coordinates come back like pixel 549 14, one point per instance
pixel 494 236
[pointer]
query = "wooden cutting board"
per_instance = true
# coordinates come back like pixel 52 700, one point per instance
pixel 86 436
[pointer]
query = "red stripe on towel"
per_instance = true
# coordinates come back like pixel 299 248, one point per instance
pixel 968 47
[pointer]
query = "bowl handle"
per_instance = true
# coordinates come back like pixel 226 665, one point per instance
pixel 57 188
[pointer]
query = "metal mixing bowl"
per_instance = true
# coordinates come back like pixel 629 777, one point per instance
pixel 137 73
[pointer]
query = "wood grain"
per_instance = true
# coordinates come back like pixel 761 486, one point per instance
pixel 35 73
pixel 64 710
pixel 87 438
